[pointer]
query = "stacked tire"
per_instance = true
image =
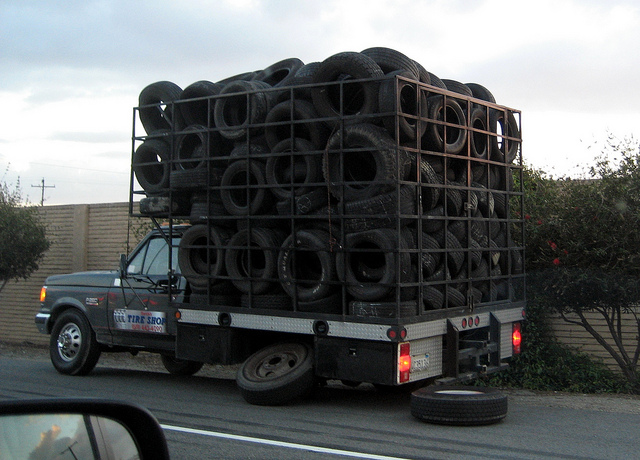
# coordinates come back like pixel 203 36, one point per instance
pixel 360 185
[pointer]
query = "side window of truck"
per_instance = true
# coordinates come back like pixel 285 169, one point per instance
pixel 152 259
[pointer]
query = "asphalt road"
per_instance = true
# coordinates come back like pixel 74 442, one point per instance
pixel 204 416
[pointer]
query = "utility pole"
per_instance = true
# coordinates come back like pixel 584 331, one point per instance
pixel 42 186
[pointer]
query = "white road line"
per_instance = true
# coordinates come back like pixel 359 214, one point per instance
pixel 289 445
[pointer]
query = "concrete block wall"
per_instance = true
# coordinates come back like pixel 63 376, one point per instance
pixel 84 237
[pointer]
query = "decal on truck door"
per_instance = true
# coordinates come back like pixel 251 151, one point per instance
pixel 140 321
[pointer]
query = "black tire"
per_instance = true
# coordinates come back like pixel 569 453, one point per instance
pixel 357 98
pixel 240 106
pixel 200 110
pixel 458 405
pixel 281 73
pixel 294 119
pixel 155 117
pixel 201 256
pixel 304 204
pixel 401 97
pixel 370 162
pixel 251 259
pixel 373 263
pixel 480 92
pixel 293 169
pixel 502 149
pixel 241 198
pixel 391 60
pixel 177 366
pixel 381 211
pixel 277 374
pixel 479 141
pixel 151 166
pixel 423 74
pixel 458 87
pixel 449 139
pixel 73 348
pixel 306 265
pixel 435 81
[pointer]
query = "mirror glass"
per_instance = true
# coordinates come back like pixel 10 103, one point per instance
pixel 64 436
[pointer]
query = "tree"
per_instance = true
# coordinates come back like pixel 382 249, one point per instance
pixel 583 248
pixel 23 239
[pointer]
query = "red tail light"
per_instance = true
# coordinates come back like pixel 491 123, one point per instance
pixel 516 338
pixel 404 362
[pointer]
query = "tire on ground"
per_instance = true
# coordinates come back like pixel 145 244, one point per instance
pixel 458 405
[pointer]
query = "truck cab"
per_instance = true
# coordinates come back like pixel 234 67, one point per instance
pixel 113 310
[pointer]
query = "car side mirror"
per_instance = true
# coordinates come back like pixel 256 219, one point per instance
pixel 123 266
pixel 83 428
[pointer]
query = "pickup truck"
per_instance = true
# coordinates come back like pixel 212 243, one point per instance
pixel 116 310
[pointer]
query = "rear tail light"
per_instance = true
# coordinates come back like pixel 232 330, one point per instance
pixel 43 293
pixel 404 362
pixel 516 338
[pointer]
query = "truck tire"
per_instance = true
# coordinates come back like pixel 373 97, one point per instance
pixel 277 374
pixel 177 366
pixel 279 74
pixel 391 60
pixel 72 346
pixel 458 405
pixel 240 104
pixel 201 255
pixel 294 119
pixel 244 188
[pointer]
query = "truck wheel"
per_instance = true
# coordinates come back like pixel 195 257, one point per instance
pixel 177 366
pixel 458 405
pixel 277 374
pixel 72 346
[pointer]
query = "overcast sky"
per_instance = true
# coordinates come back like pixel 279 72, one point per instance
pixel 71 71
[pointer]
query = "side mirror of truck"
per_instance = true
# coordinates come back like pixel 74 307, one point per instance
pixel 123 266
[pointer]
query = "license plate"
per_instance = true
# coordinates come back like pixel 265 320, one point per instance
pixel 420 363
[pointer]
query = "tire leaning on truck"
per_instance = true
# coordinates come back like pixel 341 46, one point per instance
pixel 277 374
pixel 72 345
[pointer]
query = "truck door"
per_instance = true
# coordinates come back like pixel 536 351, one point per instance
pixel 139 312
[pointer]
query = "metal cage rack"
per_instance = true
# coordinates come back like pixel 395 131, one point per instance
pixel 312 199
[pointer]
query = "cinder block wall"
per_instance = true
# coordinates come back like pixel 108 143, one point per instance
pixel 84 237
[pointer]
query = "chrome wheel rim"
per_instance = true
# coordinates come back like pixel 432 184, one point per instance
pixel 69 342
